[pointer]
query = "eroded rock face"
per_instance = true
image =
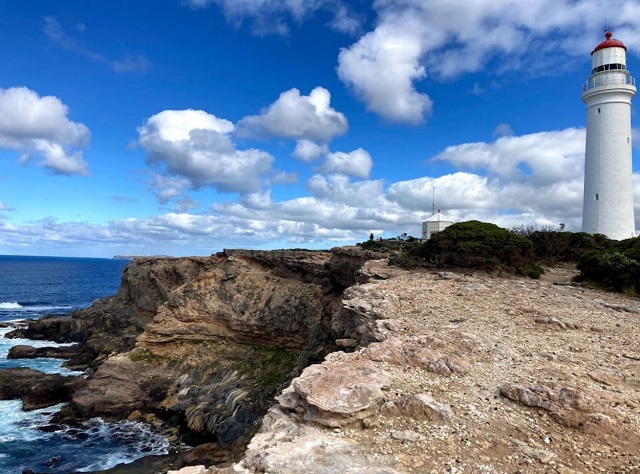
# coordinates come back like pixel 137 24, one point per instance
pixel 206 342
pixel 456 359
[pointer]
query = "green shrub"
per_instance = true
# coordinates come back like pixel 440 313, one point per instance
pixel 551 245
pixel 533 271
pixel 371 244
pixel 611 269
pixel 475 244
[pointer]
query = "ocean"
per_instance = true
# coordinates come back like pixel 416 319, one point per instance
pixel 31 287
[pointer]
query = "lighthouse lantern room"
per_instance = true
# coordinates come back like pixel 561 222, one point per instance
pixel 608 178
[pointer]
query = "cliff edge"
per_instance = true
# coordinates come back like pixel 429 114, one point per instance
pixel 299 362
pixel 471 374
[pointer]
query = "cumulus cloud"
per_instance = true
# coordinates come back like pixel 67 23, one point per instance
pixel 415 37
pixel 541 158
pixel 297 117
pixel 340 189
pixel 129 64
pixel 382 67
pixel 166 188
pixel 357 163
pixel 39 127
pixel 461 191
pixel 197 146
pixel 308 151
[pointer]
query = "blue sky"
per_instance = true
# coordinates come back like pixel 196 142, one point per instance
pixel 183 127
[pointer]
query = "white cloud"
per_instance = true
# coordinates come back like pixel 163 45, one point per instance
pixel 381 68
pixel 129 64
pixel 541 158
pixel 297 117
pixel 282 177
pixel 416 37
pixel 338 212
pixel 461 191
pixel 166 188
pixel 197 146
pixel 272 16
pixel 340 189
pixel 38 127
pixel 357 163
pixel 307 151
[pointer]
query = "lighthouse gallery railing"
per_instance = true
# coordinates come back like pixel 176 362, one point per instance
pixel 609 81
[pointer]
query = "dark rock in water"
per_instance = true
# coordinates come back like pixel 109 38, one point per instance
pixel 30 352
pixel 147 465
pixel 53 327
pixel 35 388
pixel 50 428
pixel 78 356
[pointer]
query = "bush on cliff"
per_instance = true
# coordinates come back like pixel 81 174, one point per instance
pixel 617 268
pixel 475 244
pixel 552 245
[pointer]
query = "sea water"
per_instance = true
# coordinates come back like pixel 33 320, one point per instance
pixel 31 287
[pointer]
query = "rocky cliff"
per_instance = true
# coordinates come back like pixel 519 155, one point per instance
pixel 470 374
pixel 202 345
pixel 363 368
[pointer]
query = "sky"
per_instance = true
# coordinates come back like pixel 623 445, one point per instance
pixel 184 127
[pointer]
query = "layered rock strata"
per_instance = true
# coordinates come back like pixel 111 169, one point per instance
pixel 205 343
pixel 470 374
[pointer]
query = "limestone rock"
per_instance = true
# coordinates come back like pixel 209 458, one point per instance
pixel 573 408
pixel 420 407
pixel 336 393
pixel 285 447
pixel 406 435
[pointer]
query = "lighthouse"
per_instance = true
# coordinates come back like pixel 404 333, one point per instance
pixel 608 175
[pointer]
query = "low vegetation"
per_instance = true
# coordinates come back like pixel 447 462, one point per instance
pixel 521 250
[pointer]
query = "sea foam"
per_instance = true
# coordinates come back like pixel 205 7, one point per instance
pixel 6 305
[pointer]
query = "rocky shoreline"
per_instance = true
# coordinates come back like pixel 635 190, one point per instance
pixel 198 347
pixel 373 368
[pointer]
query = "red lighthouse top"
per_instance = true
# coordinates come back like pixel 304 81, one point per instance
pixel 609 43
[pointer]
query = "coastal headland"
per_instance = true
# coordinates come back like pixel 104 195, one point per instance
pixel 298 361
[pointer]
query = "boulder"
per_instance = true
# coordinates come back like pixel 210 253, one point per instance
pixel 36 389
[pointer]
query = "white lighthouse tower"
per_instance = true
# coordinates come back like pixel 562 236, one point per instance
pixel 608 175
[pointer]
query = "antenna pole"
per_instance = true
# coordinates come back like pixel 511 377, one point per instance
pixel 433 202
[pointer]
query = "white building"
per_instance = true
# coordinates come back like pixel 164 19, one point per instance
pixel 436 223
pixel 608 178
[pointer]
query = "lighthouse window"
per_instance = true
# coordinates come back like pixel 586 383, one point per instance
pixel 595 197
pixel 598 111
pixel 608 67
